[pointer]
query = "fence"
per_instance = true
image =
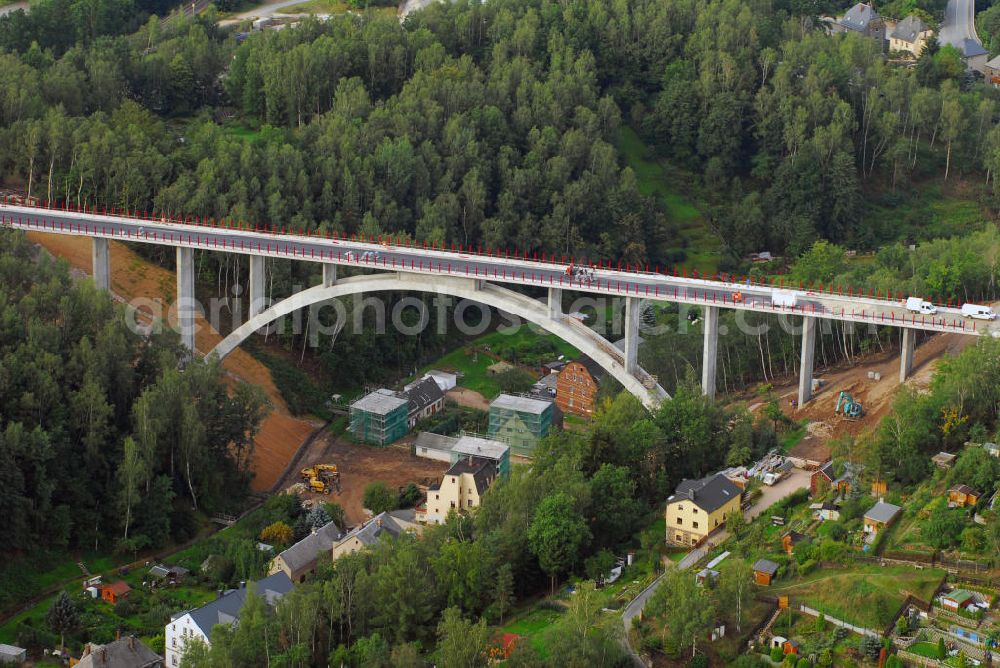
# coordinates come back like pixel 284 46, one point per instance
pixel 839 622
pixel 912 659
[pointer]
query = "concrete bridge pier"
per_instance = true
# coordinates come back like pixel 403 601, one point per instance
pixel 711 351
pixel 631 334
pixel 808 353
pixel 186 306
pixel 258 299
pixel 329 274
pixel 555 303
pixel 906 353
pixel 102 263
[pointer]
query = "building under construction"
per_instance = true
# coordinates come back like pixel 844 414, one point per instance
pixel 379 418
pixel 521 421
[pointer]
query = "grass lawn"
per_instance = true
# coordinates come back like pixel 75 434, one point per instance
pixel 927 649
pixel 792 437
pixel 474 366
pixel 533 625
pixel 883 589
pixel 22 577
pixel 699 245
pixel 333 7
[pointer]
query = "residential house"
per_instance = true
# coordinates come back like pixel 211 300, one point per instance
pixel 379 418
pixel 300 559
pixel 393 523
pixel 910 35
pixel 426 399
pixel 699 507
pixel 461 489
pixel 168 574
pixel 838 476
pixel 764 571
pixel 113 592
pixel 484 448
pixel 577 386
pixel 973 54
pixel 198 623
pixel 550 368
pixel 962 496
pixel 434 446
pixel 880 516
pixel 792 538
pixel 862 19
pixel 521 421
pixel 122 653
pixel 943 460
pixel 958 599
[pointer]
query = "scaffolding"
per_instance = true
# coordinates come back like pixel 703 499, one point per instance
pixel 520 421
pixel 379 418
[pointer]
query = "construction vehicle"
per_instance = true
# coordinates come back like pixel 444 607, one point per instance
pixel 850 408
pixel 321 477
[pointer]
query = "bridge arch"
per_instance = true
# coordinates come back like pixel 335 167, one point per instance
pixel 590 343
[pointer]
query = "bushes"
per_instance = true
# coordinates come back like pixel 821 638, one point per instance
pixel 776 654
pixel 807 566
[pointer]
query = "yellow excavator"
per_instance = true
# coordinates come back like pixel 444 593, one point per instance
pixel 321 477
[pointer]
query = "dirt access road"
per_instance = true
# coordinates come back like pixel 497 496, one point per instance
pixel 360 465
pixel 875 395
pixel 132 277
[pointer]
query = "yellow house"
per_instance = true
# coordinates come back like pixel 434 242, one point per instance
pixel 911 35
pixel 461 489
pixel 393 523
pixel 699 507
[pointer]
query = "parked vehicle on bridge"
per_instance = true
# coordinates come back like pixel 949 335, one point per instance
pixel 580 272
pixel 783 298
pixel 979 312
pixel 918 305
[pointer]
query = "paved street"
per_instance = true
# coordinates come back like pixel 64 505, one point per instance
pixel 959 23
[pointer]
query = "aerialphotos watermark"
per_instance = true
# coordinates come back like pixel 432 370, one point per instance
pixel 373 314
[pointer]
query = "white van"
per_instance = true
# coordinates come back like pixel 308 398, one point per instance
pixel 918 305
pixel 977 311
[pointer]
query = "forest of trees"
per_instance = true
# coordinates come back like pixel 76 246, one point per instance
pixel 107 442
pixel 497 125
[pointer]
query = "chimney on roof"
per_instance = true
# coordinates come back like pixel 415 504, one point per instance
pixel 118 634
pixel 104 655
pixel 86 650
pixel 691 493
pixel 131 641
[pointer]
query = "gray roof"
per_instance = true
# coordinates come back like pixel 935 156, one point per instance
pixel 432 441
pixel 122 653
pixel 483 471
pixel 304 553
pixel 547 381
pixel 379 402
pixel 480 447
pixel 226 608
pixel 765 566
pixel 882 512
pixel 520 404
pixel 709 494
pixel 423 393
pixel 858 17
pixel 909 29
pixel 971 48
pixel 383 523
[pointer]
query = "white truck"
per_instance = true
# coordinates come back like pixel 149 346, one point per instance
pixel 979 312
pixel 783 298
pixel 918 305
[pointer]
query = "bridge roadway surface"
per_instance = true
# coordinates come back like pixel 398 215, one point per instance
pixel 494 268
